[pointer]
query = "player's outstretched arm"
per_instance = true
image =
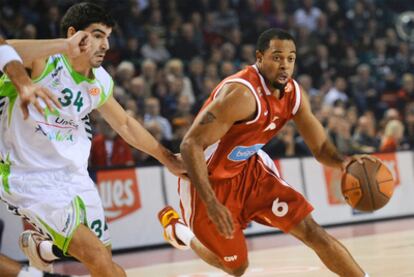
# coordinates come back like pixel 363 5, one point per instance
pixel 315 136
pixel 38 50
pixel 234 103
pixel 317 140
pixel 11 65
pixel 137 136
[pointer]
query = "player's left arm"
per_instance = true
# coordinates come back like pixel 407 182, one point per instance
pixel 137 136
pixel 315 136
pixel 317 140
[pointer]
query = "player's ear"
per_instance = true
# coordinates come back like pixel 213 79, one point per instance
pixel 259 56
pixel 71 31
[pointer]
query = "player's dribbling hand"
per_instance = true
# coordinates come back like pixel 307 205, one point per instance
pixel 359 159
pixel 78 44
pixel 31 94
pixel 221 217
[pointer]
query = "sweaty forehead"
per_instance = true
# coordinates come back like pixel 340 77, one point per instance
pixel 281 46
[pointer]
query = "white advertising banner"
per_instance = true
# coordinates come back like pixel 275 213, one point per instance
pixel 132 199
pixel 324 192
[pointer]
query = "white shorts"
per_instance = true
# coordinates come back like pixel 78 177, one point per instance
pixel 55 202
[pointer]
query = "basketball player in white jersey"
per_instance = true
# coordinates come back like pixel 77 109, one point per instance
pixel 11 65
pixel 44 159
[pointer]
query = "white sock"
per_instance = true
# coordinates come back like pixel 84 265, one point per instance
pixel 46 252
pixel 366 275
pixel 29 271
pixel 184 233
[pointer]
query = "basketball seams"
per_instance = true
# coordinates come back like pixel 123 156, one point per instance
pixel 352 189
pixel 390 180
pixel 371 197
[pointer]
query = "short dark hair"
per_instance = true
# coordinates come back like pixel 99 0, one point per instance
pixel 273 33
pixel 81 15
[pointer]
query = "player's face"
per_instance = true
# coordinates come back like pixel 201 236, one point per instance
pixel 99 43
pixel 277 62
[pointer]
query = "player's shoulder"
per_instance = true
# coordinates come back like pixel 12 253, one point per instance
pixel 104 79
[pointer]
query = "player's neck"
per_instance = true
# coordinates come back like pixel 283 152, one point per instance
pixel 82 67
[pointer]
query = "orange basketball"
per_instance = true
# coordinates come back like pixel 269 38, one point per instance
pixel 368 186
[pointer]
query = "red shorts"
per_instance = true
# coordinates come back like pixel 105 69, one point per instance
pixel 257 194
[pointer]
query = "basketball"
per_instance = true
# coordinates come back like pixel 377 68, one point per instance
pixel 367 187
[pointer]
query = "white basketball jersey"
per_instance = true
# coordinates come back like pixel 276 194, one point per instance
pixel 62 137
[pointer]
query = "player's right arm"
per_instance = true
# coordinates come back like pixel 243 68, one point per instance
pixel 34 52
pixel 234 103
pixel 11 65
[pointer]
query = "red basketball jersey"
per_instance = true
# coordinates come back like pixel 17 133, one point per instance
pixel 227 157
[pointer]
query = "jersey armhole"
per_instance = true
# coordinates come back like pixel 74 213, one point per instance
pixel 251 89
pixel 298 97
pixel 105 96
pixel 49 67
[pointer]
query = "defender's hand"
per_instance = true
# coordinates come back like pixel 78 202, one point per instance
pixel 31 94
pixel 221 217
pixel 176 166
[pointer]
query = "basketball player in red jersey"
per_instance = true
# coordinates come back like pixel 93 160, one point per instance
pixel 234 182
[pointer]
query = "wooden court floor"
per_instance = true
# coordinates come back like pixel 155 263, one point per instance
pixel 384 249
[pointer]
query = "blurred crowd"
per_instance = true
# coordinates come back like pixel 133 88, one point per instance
pixel 166 57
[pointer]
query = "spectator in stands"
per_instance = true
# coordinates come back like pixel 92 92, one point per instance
pixel 48 26
pixel 225 18
pixel 149 75
pixel 364 138
pixel 154 49
pixel 307 15
pixel 226 69
pixel 406 93
pixel 196 75
pixel 409 123
pixel 186 46
pixel 138 93
pixel 247 55
pixel 109 149
pixel 125 71
pixel 29 32
pixel 363 89
pixel 152 114
pixel 287 143
pixel 132 51
pixel 392 137
pixel 306 82
pixel 175 67
pixel 337 92
pixel 339 130
pixel 156 129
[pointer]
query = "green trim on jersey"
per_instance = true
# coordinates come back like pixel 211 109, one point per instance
pixel 7 89
pixel 5 173
pixel 104 97
pixel 51 64
pixel 77 77
pixel 59 240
